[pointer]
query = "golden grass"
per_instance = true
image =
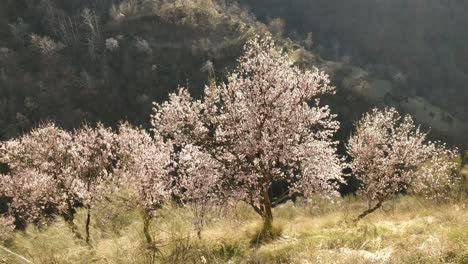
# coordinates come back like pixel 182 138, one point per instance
pixel 406 230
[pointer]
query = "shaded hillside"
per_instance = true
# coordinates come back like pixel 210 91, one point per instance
pixel 77 66
pixel 420 45
pixel 74 61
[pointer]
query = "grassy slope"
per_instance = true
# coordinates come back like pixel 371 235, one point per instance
pixel 407 230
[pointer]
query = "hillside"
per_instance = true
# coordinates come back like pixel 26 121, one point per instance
pixel 418 44
pixel 103 61
pixel 72 73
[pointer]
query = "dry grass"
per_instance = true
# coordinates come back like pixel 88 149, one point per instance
pixel 406 230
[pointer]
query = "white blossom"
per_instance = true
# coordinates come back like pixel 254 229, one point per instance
pixel 112 44
pixel 390 154
pixel 265 125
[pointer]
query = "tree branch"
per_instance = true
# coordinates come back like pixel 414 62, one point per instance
pixel 368 211
pixel 282 198
pixel 257 209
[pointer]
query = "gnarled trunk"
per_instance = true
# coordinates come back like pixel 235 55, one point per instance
pixel 264 210
pixel 268 216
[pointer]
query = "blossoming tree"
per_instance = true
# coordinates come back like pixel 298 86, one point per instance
pixel 94 160
pixel 265 125
pixel 53 171
pixel 198 182
pixel 144 164
pixel 390 154
pixel 39 181
pixel 196 172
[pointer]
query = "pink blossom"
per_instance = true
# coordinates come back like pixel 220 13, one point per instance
pixel 391 154
pixel 265 125
pixel 40 181
pixel 144 164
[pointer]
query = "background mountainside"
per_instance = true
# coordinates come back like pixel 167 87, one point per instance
pixel 107 60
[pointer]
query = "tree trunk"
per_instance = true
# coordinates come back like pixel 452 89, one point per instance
pixel 268 215
pixel 88 222
pixel 266 233
pixel 368 211
pixel 146 223
pixel 267 229
pixel 200 219
pixel 73 227
pixel 68 216
pixel 151 246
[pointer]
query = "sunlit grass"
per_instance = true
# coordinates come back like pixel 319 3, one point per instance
pixel 406 230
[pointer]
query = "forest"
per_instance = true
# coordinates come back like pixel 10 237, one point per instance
pixel 233 131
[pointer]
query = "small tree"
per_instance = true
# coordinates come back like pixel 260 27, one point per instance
pixel 144 164
pixel 34 195
pixel 40 181
pixel 390 155
pixel 264 125
pixel 198 182
pixel 54 172
pixel 94 159
pixel 196 172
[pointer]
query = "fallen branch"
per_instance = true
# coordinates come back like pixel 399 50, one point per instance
pixel 16 255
